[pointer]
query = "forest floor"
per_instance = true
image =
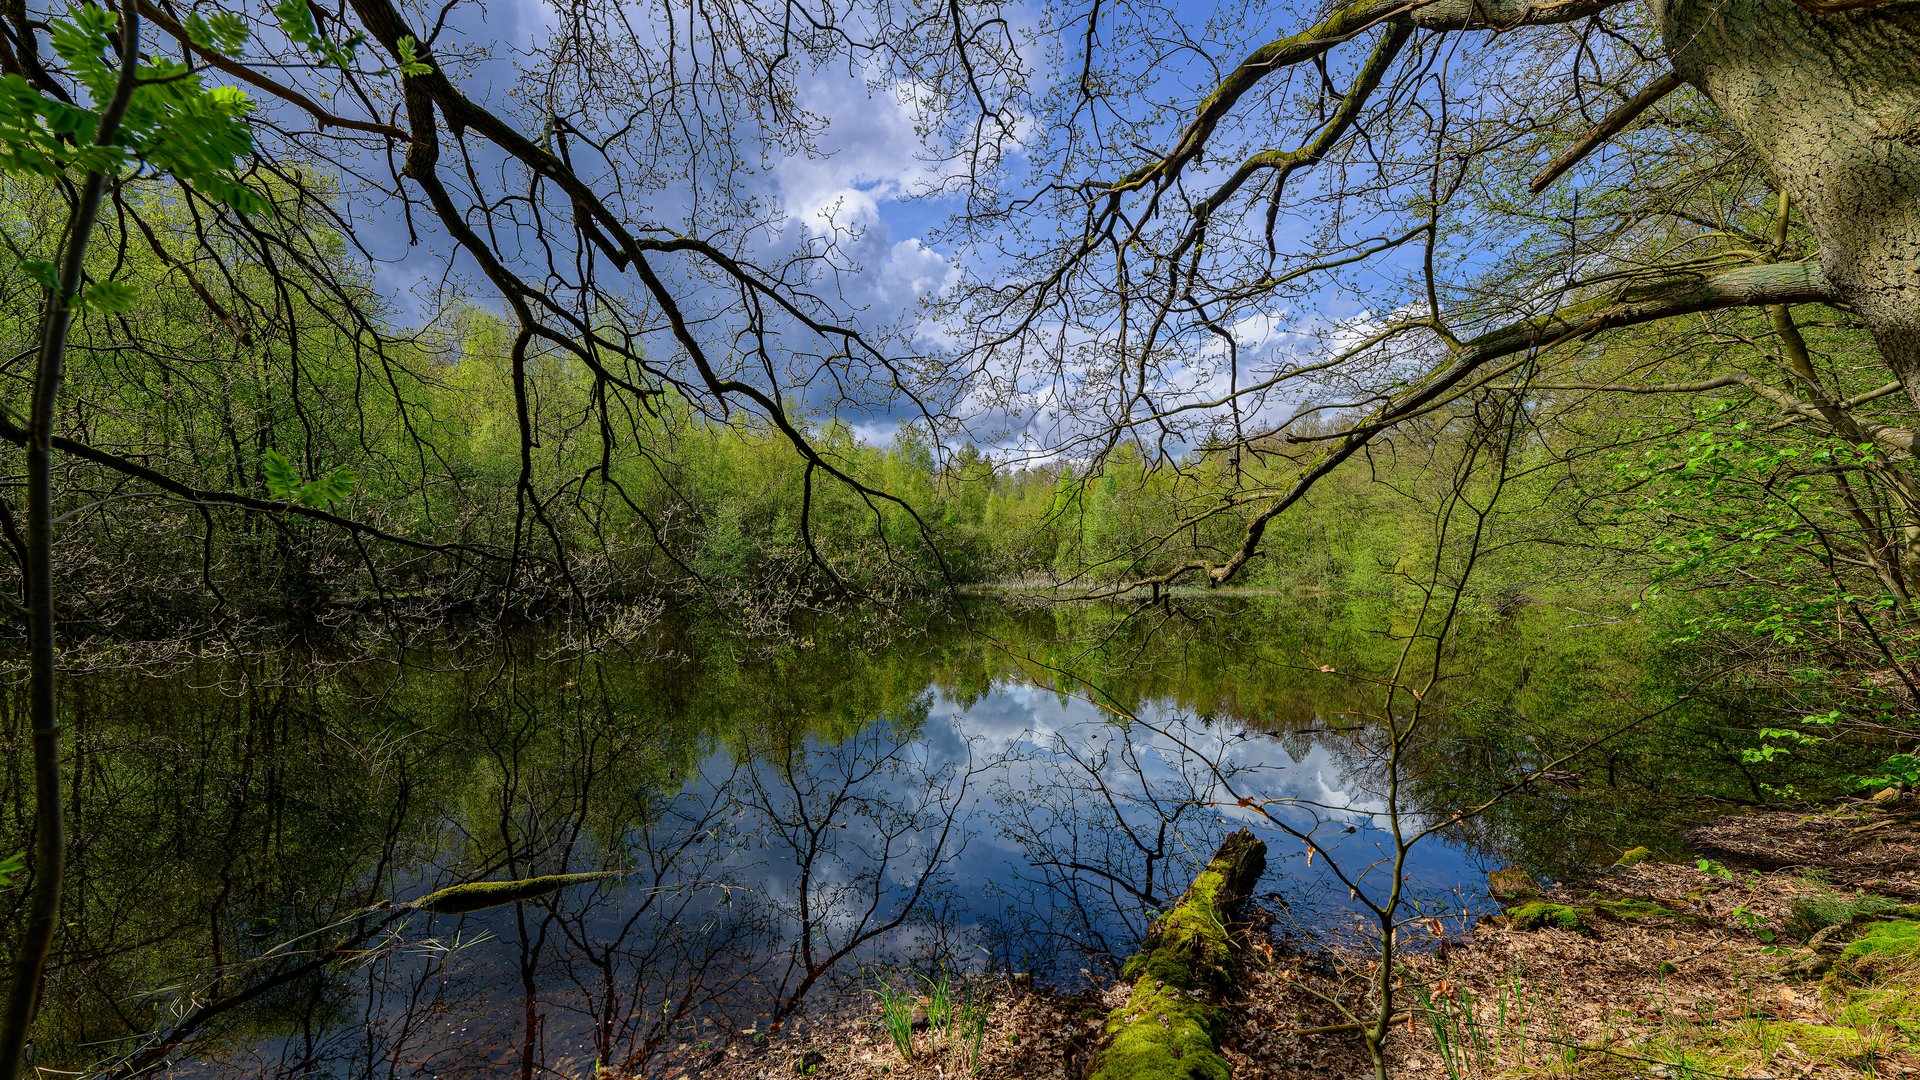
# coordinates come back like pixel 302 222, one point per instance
pixel 1790 948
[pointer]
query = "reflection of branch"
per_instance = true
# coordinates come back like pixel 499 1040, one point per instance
pixel 1592 744
pixel 155 1052
pixel 808 813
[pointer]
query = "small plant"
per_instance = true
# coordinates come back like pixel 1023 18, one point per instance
pixel 940 993
pixel 971 1025
pixel 1717 869
pixel 1471 1044
pixel 896 1015
pixel 284 482
pixel 1441 1023
pixel 953 1011
pixel 1900 771
pixel 1753 923
pixel 1809 915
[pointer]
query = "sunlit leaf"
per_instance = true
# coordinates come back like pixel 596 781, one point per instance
pixel 328 489
pixel 283 480
pixel 41 272
pixel 109 296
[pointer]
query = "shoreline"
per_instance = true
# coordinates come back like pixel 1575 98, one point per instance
pixel 1789 948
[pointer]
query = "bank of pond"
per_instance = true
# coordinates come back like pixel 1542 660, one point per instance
pixel 778 827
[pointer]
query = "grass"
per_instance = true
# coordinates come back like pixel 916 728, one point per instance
pixel 955 1012
pixel 939 1001
pixel 896 1015
pixel 1476 1036
pixel 975 1007
pixel 1809 915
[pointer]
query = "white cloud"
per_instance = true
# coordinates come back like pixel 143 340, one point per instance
pixel 872 148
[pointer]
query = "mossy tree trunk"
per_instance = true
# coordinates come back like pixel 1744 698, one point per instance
pixel 1829 100
pixel 1170 1027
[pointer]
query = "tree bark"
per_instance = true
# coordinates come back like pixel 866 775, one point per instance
pixel 50 839
pixel 1831 103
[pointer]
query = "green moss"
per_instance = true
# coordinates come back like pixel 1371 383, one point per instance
pixel 1896 1006
pixel 479 895
pixel 1716 1050
pixel 1819 1040
pixel 1702 1059
pixel 1634 910
pixel 1189 946
pixel 1510 883
pixel 1166 1029
pixel 1634 856
pixel 1542 913
pixel 1896 938
pixel 1163 1033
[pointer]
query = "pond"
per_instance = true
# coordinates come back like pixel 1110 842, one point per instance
pixel 1006 790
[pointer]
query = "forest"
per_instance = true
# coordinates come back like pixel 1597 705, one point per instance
pixel 1109 539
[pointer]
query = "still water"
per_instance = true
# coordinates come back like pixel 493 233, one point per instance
pixel 1016 791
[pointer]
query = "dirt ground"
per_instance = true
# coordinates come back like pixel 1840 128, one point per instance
pixel 1793 952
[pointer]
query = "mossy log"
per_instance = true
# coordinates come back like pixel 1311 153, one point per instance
pixel 1542 914
pixel 1170 1027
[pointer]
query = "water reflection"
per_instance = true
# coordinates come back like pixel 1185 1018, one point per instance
pixel 786 821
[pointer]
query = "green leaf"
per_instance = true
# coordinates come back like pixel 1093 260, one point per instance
pixel 410 62
pixel 329 489
pixel 283 480
pixel 285 483
pixel 10 866
pixel 42 272
pixel 297 21
pixel 109 296
pixel 222 32
pixel 173 122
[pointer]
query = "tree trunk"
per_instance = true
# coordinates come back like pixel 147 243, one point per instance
pixel 1831 103
pixel 22 1001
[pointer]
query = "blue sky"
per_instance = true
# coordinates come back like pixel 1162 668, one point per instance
pixel 860 185
pixel 860 176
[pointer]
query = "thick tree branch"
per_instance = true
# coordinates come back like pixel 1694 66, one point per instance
pixel 17 435
pixel 1854 429
pixel 1344 23
pixel 252 77
pixel 1635 304
pixel 1612 124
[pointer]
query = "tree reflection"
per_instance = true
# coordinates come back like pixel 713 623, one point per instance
pixel 787 821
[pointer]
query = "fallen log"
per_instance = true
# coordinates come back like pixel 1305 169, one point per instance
pixel 1170 1027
